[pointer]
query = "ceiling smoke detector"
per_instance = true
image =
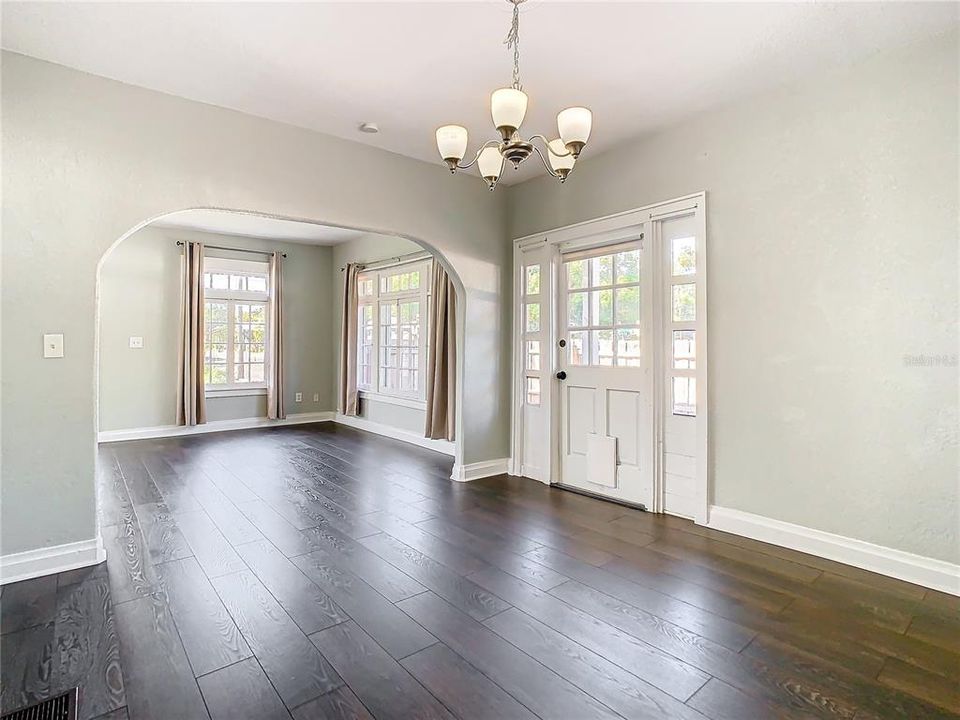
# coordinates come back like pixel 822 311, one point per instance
pixel 369 128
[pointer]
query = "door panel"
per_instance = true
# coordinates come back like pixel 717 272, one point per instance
pixel 604 306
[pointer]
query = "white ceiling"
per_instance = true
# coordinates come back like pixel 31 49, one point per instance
pixel 413 66
pixel 226 222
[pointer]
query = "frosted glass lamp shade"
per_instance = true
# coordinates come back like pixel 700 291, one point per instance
pixel 452 142
pixel 574 125
pixel 508 106
pixel 490 163
pixel 560 158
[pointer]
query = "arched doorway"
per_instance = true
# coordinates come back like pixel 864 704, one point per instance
pixel 159 235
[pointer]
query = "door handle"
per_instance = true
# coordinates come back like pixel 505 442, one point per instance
pixel 562 375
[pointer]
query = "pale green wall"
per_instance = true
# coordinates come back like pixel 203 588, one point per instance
pixel 140 295
pixel 86 160
pixel 832 211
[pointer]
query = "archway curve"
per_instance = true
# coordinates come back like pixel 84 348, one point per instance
pixel 434 251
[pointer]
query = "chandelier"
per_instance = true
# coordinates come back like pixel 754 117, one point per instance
pixel 507 107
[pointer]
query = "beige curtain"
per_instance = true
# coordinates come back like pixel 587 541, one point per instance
pixel 275 410
pixel 191 403
pixel 347 400
pixel 442 358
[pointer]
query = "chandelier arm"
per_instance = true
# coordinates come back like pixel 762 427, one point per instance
pixel 546 144
pixel 488 143
pixel 544 161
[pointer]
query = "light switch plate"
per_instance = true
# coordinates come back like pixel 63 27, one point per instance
pixel 136 342
pixel 53 345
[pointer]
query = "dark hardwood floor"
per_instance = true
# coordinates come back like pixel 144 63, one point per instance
pixel 321 572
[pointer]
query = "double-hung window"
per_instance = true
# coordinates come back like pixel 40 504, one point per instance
pixel 236 325
pixel 392 330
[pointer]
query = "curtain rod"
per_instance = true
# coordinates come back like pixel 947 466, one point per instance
pixel 388 262
pixel 221 247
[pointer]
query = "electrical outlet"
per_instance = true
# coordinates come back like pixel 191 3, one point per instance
pixel 298 397
pixel 316 397
pixel 136 342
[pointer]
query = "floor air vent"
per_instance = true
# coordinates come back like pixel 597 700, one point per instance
pixel 62 707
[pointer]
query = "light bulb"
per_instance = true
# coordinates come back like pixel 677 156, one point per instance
pixel 561 160
pixel 508 106
pixel 574 125
pixel 452 144
pixel 490 163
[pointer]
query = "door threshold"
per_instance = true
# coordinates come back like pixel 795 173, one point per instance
pixel 598 496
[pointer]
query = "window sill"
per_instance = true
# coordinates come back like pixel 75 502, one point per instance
pixel 236 392
pixel 394 400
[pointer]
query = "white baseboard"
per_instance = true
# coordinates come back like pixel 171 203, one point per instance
pixel 475 471
pixel 442 446
pixel 925 571
pixel 46 561
pixel 107 436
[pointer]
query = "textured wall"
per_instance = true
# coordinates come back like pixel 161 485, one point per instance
pixel 832 212
pixel 85 160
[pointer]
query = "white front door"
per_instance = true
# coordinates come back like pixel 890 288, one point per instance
pixel 606 381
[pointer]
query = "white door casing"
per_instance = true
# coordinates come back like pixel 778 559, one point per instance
pixel 677 444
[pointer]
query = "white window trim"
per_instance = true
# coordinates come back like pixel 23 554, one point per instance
pixel 375 392
pixel 399 400
pixel 234 266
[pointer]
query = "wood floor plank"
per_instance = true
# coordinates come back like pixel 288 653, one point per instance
pixel 817 619
pixel 231 522
pixel 690 617
pixel 139 483
pixel 541 690
pixel 309 607
pixel 579 549
pixel 499 554
pixel 211 549
pixel 484 545
pixel 457 590
pixel 88 647
pixel 461 687
pixel 922 684
pixel 157 677
pixel 662 670
pixel 937 628
pixel 379 681
pixel 383 577
pixel 295 667
pixel 30 670
pixel 720 701
pixel 27 603
pixel 684 580
pixel 398 634
pixel 430 545
pixel 768 680
pixel 132 573
pixel 288 539
pixel 176 494
pixel 339 704
pixel 618 689
pixel 162 536
pixel 209 635
pixel 842 687
pixel 241 692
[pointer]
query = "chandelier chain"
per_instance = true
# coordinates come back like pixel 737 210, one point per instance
pixel 513 40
